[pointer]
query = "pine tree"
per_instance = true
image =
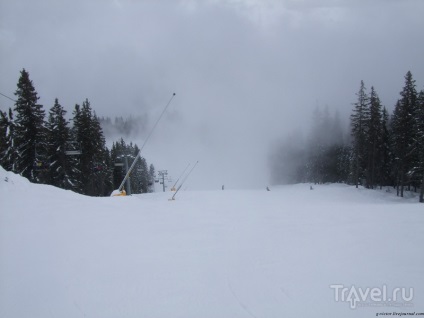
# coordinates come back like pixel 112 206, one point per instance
pixel 324 147
pixel 359 119
pixel 144 176
pixel 108 174
pixel 123 154
pixel 4 131
pixel 93 171
pixel 403 134
pixel 140 180
pixel 373 139
pixel 419 122
pixel 152 174
pixel 116 156
pixel 100 157
pixel 7 151
pixel 30 132
pixel 77 133
pixel 62 167
pixel 385 166
pixel 344 158
pixel 136 174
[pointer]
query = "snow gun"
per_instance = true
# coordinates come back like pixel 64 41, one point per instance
pixel 120 191
pixel 182 182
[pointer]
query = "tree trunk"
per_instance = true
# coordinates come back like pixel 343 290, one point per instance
pixel 401 183
pixel 357 171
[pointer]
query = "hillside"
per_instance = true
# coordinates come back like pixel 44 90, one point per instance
pixel 229 253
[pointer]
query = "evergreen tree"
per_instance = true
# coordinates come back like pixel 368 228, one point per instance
pixel 373 139
pixel 140 180
pixel 7 150
pixel 144 177
pixel 100 158
pixel 108 174
pixel 385 165
pixel 136 174
pixel 93 172
pixel 344 158
pixel 62 170
pixel 122 154
pixel 419 122
pixel 385 151
pixel 152 176
pixel 29 132
pixel 78 134
pixel 359 119
pixel 116 156
pixel 4 132
pixel 403 134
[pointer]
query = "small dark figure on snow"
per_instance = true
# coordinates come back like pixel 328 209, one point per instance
pixel 267 189
pixel 222 187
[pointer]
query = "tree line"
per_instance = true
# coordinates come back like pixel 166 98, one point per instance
pixel 382 149
pixel 69 154
pixel 126 127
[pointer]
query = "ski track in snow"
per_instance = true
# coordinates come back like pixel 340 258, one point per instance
pixel 243 306
pixel 229 253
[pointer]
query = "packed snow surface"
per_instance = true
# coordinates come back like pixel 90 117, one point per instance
pixel 232 253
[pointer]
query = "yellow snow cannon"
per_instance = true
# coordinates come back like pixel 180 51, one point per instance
pixel 117 193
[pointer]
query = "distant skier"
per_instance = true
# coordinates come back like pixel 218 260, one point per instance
pixel 222 187
pixel 267 189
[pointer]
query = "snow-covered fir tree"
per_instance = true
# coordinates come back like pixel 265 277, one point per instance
pixel 29 132
pixel 93 160
pixel 7 150
pixel 62 167
pixel 152 176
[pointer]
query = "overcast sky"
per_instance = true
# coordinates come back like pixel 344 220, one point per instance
pixel 245 71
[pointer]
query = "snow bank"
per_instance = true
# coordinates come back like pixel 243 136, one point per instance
pixel 16 185
pixel 9 179
pixel 207 254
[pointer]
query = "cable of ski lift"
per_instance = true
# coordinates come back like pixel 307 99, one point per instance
pixel 13 100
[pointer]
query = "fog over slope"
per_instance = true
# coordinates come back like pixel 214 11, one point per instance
pixel 245 72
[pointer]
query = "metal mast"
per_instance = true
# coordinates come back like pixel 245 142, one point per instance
pixel 139 153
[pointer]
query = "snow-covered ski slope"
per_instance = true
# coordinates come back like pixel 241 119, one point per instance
pixel 208 254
